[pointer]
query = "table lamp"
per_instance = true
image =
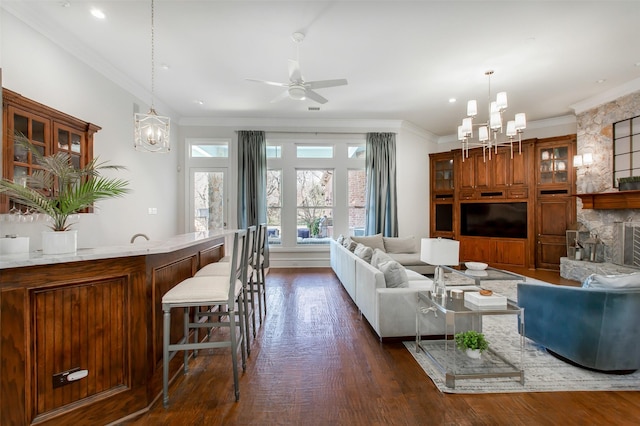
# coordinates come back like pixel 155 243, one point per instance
pixel 439 251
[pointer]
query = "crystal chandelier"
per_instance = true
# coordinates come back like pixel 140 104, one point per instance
pixel 151 131
pixel 490 132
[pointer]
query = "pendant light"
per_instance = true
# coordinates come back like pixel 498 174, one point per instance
pixel 151 131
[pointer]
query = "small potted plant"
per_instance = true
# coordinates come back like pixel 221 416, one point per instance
pixel 59 190
pixel 630 183
pixel 472 342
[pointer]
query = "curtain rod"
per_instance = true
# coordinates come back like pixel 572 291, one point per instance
pixel 318 133
pixel 312 133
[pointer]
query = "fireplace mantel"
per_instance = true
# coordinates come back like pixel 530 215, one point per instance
pixel 611 200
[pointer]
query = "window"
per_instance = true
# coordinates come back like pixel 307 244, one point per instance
pixel 356 192
pixel 210 149
pixel 310 151
pixel 206 200
pixel 626 149
pixel 314 189
pixel 274 206
pixel 274 151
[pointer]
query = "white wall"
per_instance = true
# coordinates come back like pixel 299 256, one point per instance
pixel 39 70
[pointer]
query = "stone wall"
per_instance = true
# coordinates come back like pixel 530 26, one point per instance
pixel 595 135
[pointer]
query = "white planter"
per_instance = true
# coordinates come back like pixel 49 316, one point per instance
pixel 61 242
pixel 473 353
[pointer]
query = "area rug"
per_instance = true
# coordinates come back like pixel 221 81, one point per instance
pixel 542 372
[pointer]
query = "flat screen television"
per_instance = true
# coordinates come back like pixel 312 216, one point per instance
pixel 503 220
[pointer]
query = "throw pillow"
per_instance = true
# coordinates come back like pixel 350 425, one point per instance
pixel 349 245
pixel 379 257
pixel 373 241
pixel 622 281
pixel 363 252
pixel 395 275
pixel 399 245
pixel 340 239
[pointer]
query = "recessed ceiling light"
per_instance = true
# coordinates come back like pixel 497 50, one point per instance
pixel 452 100
pixel 602 80
pixel 65 4
pixel 164 66
pixel 199 101
pixel 97 13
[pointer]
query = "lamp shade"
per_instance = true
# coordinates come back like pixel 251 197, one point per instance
pixel 472 108
pixel 439 251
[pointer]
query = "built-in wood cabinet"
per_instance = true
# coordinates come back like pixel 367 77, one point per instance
pixel 49 131
pixel 555 203
pixel 504 174
pixel 535 181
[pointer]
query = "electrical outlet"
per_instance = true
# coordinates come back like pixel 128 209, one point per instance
pixel 153 210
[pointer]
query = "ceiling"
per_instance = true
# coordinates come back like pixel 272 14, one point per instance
pixel 403 60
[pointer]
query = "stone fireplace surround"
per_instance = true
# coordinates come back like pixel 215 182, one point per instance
pixel 595 135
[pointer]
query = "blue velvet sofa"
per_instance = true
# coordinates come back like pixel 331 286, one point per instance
pixel 596 328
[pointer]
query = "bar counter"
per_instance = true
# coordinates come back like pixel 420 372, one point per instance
pixel 98 310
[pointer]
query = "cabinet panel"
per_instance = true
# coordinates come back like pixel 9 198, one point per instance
pixel 80 326
pixel 510 252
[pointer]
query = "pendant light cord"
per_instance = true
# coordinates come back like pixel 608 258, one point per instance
pixel 153 70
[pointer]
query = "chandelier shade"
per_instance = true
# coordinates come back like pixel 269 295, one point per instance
pixel 151 131
pixel 490 132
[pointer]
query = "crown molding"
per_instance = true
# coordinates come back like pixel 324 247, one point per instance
pixel 607 96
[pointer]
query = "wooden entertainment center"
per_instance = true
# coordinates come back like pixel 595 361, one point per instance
pixel 527 201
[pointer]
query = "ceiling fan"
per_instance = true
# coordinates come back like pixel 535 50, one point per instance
pixel 297 88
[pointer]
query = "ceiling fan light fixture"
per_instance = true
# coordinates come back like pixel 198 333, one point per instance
pixel 298 93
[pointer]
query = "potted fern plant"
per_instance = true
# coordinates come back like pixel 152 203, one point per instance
pixel 59 190
pixel 472 342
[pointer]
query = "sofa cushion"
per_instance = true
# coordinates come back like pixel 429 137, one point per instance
pixel 622 281
pixel 373 241
pixel 399 245
pixel 395 275
pixel 363 252
pixel 379 257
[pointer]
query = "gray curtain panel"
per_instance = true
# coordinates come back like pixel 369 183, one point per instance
pixel 381 198
pixel 252 178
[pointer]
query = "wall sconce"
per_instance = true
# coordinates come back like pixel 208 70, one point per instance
pixel 585 160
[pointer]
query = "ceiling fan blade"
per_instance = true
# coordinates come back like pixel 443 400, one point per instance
pixel 294 71
pixel 281 96
pixel 326 83
pixel 316 97
pixel 271 83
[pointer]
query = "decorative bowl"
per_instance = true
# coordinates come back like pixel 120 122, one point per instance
pixel 476 266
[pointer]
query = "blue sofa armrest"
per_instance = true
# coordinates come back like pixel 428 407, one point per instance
pixel 594 328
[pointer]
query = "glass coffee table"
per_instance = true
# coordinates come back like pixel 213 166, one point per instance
pixel 456 315
pixel 487 274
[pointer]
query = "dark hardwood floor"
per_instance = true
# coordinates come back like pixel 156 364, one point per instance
pixel 317 362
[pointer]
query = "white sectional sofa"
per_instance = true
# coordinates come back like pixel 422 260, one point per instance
pixel 389 311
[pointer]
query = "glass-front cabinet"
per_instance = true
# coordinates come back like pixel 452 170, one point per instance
pixel 442 195
pixel 49 132
pixel 443 174
pixel 553 163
